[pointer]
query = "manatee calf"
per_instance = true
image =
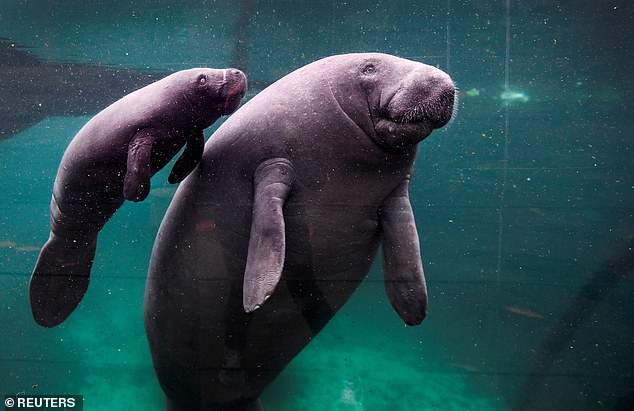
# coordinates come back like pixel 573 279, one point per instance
pixel 111 159
pixel 280 222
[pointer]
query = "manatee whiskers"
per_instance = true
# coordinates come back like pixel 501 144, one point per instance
pixel 415 114
pixel 434 111
pixel 454 108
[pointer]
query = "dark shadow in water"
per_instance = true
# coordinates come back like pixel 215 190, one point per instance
pixel 625 403
pixel 590 296
pixel 34 89
pixel 240 55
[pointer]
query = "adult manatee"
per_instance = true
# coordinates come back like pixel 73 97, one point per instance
pixel 276 228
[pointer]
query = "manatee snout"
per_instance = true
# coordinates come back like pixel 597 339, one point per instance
pixel 426 96
pixel 234 89
pixel 421 101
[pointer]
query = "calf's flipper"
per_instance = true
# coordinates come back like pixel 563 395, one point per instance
pixel 136 184
pixel 190 158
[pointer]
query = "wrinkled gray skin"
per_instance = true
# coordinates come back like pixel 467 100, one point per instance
pixel 279 224
pixel 111 159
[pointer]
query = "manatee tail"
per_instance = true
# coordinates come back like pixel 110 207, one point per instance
pixel 60 278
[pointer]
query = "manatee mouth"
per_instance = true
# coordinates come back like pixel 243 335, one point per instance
pixel 400 124
pixel 235 88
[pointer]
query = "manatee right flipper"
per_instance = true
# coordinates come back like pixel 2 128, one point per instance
pixel 189 159
pixel 267 241
pixel 402 265
pixel 60 278
pixel 136 185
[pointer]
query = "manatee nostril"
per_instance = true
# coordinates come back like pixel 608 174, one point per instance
pixel 234 72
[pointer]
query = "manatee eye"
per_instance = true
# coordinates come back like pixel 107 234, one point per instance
pixel 369 68
pixel 202 79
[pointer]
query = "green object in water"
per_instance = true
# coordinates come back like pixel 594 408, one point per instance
pixel 509 96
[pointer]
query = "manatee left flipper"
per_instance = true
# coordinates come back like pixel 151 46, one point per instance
pixel 189 159
pixel 402 265
pixel 273 181
pixel 136 185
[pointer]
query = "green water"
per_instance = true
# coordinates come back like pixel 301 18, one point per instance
pixel 519 202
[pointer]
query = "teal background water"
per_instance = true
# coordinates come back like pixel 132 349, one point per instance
pixel 519 202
